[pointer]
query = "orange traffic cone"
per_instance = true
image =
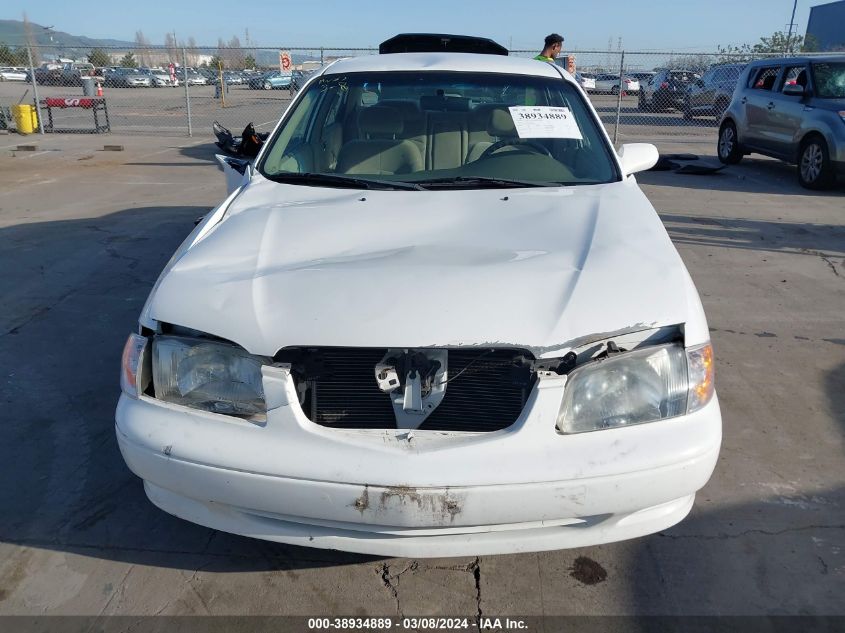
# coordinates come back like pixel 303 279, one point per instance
pixel 99 90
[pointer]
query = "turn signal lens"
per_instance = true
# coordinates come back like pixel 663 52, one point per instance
pixel 701 376
pixel 133 353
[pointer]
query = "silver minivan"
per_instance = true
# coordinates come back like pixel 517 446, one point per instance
pixel 792 109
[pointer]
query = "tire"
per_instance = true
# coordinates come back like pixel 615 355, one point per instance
pixel 614 90
pixel 815 170
pixel 641 102
pixel 727 147
pixel 268 85
pixel 687 113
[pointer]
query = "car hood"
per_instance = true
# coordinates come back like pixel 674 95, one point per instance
pixel 533 268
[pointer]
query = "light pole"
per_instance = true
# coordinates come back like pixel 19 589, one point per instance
pixel 791 24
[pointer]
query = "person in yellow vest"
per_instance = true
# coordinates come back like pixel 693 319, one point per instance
pixel 552 48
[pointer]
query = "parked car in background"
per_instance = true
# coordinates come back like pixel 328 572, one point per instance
pixel 48 74
pixel 8 73
pixel 642 76
pixel 273 80
pixel 792 109
pixel 126 78
pixel 233 78
pixel 159 77
pixel 194 78
pixel 586 81
pixel 609 83
pixel 666 89
pixel 74 72
pixel 299 78
pixel 211 74
pixel 279 386
pixel 711 94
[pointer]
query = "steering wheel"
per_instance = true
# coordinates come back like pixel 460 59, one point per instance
pixel 516 142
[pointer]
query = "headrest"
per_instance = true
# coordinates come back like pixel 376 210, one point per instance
pixel 501 123
pixel 445 103
pixel 409 110
pixel 380 120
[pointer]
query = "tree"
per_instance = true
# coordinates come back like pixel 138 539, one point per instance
pixel 13 56
pixel 192 51
pixel 778 43
pixel 217 62
pixel 249 61
pixel 143 45
pixel 128 61
pixel 693 63
pixel 235 55
pixel 99 57
pixel 172 47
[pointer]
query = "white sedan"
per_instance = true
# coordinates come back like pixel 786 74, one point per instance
pixel 610 83
pixel 587 81
pixel 463 330
pixel 12 74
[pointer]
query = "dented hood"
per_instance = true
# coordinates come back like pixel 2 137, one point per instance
pixel 535 268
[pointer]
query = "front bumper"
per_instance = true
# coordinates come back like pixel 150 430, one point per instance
pixel 525 488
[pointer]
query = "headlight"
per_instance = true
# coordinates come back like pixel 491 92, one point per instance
pixel 206 375
pixel 645 385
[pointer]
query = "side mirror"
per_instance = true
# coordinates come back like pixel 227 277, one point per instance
pixel 636 157
pixel 793 90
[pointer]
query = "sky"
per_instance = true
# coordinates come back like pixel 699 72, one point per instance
pixel 679 25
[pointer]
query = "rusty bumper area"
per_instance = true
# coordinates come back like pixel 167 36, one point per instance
pixel 422 543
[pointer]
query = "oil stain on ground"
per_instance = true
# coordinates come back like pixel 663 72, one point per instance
pixel 588 571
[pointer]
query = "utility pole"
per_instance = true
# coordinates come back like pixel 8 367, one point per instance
pixel 791 24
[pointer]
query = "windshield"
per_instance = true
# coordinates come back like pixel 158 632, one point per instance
pixel 465 129
pixel 830 80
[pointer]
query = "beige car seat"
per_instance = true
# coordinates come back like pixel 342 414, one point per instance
pixel 381 151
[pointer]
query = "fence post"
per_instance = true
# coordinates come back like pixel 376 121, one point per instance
pixel 187 92
pixel 619 97
pixel 35 90
pixel 321 57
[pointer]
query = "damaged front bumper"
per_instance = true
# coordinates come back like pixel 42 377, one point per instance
pixel 418 493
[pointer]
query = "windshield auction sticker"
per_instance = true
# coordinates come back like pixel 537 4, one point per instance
pixel 544 122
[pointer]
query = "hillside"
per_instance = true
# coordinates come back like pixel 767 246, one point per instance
pixel 12 33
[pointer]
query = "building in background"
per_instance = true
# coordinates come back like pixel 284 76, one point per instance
pixel 826 28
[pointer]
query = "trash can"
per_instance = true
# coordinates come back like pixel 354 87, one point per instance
pixel 88 88
pixel 26 120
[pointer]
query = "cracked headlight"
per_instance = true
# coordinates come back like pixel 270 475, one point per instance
pixel 208 375
pixel 635 387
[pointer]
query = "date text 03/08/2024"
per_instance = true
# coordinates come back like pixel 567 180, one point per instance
pixel 416 624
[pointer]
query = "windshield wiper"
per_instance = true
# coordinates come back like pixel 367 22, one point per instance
pixel 339 180
pixel 483 182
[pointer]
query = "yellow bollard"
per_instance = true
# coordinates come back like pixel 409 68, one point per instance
pixel 26 120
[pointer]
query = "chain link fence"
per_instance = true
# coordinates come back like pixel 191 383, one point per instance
pixel 639 96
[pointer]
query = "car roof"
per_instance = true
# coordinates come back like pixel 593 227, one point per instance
pixel 459 62
pixel 797 60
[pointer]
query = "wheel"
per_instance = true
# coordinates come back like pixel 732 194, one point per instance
pixel 815 171
pixel 268 85
pixel 687 113
pixel 728 149
pixel 614 90
pixel 642 104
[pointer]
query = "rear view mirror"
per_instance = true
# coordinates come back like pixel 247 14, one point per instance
pixel 635 157
pixel 793 90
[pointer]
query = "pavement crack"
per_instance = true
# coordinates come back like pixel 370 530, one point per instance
pixel 475 567
pixel 390 581
pixel 722 537
pixel 824 565
pixel 824 257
